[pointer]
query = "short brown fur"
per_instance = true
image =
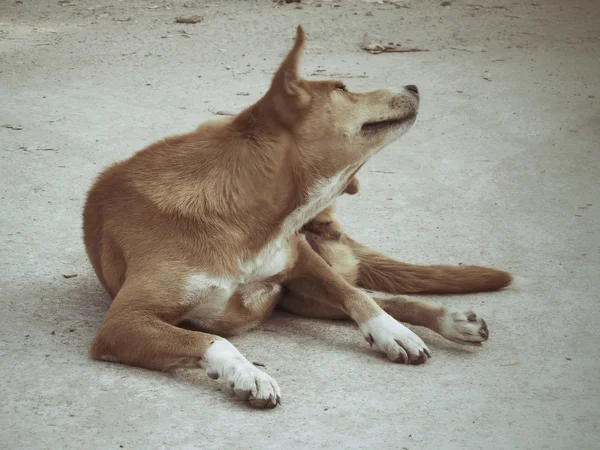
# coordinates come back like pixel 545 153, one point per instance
pixel 203 229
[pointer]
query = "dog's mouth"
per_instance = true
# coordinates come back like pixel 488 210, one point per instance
pixel 387 123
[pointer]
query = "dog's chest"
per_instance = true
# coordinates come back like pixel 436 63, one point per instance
pixel 271 260
pixel 201 290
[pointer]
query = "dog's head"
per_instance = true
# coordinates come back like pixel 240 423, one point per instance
pixel 334 129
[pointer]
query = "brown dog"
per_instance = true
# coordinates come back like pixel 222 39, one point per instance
pixel 203 228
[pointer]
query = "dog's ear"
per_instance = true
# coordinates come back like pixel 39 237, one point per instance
pixel 289 94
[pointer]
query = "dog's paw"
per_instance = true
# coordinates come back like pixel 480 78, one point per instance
pixel 253 385
pixel 395 340
pixel 223 360
pixel 463 327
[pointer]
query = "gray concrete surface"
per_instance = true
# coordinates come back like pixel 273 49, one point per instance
pixel 501 171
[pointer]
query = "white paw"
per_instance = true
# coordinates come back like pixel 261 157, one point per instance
pixel 400 344
pixel 255 386
pixel 463 327
pixel 223 360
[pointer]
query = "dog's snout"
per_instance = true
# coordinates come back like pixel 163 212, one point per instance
pixel 412 88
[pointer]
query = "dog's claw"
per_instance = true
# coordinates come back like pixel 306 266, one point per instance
pixel 483 331
pixel 403 353
pixel 422 358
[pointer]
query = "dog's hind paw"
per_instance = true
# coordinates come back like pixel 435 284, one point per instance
pixel 463 327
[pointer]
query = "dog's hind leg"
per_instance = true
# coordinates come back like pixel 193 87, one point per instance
pixel 462 327
pixel 139 330
pixel 377 272
pixel 300 298
pixel 317 308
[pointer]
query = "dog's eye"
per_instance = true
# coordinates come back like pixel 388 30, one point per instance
pixel 341 87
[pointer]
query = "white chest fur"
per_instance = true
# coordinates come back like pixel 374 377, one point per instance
pixel 320 197
pixel 271 260
pixel 209 296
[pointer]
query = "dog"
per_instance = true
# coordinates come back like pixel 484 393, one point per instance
pixel 202 235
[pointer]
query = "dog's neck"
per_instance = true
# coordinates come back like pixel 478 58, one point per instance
pixel 240 185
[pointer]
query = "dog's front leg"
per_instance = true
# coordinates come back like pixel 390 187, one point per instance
pixel 139 329
pixel 380 329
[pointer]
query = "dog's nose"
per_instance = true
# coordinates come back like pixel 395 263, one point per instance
pixel 412 88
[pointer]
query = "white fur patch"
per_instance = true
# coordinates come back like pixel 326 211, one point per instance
pixel 389 336
pixel 319 198
pixel 198 282
pixel 518 283
pixel 206 299
pixel 271 260
pixel 223 360
pixel 456 327
pixel 198 286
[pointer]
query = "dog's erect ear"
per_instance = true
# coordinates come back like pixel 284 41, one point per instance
pixel 286 78
pixel 288 92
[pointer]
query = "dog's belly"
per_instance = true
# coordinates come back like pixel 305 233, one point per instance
pixel 230 305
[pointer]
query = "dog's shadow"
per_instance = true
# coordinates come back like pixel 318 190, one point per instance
pixel 344 335
pixel 73 304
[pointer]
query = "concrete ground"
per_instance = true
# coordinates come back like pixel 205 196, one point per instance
pixel 502 168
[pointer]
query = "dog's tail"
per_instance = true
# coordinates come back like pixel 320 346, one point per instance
pixel 377 272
